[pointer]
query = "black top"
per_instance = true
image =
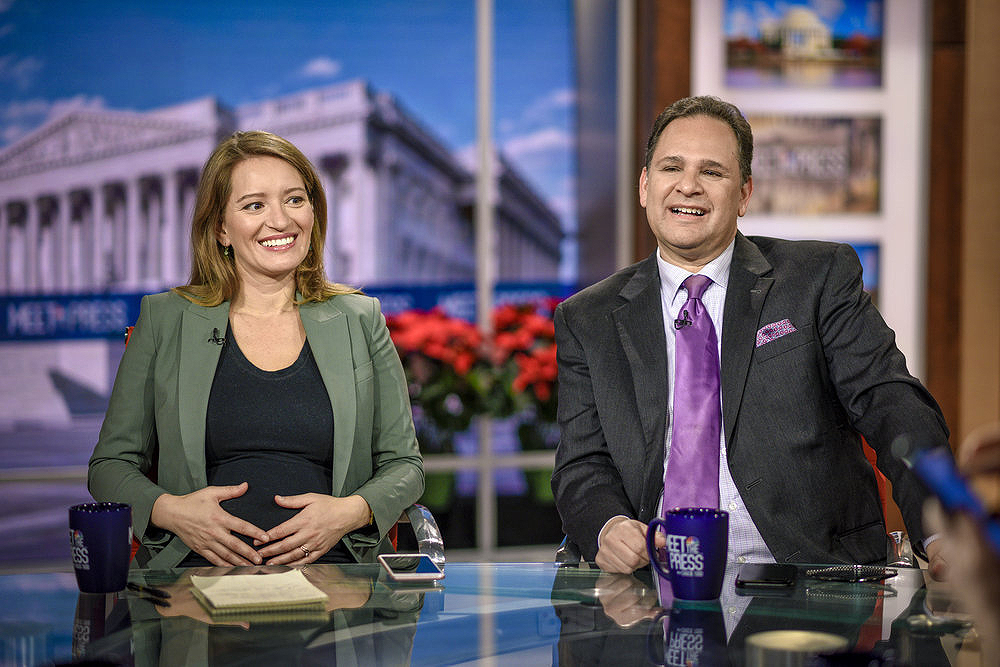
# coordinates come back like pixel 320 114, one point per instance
pixel 272 429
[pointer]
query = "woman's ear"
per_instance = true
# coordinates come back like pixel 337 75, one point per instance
pixel 220 233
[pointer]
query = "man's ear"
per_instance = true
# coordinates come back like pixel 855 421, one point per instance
pixel 745 191
pixel 643 183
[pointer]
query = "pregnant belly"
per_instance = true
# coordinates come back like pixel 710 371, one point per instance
pixel 268 477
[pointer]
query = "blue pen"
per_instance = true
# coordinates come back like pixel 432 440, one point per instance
pixel 937 470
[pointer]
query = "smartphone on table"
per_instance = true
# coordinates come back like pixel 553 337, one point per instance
pixel 410 567
pixel 767 576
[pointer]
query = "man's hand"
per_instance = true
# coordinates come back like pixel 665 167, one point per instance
pixel 625 599
pixel 937 562
pixel 623 546
pixel 201 523
pixel 979 459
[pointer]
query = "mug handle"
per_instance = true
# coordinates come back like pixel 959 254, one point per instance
pixel 651 634
pixel 651 550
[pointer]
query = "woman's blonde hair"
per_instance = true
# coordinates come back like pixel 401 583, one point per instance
pixel 213 274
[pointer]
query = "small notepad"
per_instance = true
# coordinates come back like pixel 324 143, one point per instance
pixel 252 593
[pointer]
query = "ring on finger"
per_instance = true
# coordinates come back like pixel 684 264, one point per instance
pixel 305 551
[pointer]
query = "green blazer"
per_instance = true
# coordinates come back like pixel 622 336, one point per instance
pixel 156 415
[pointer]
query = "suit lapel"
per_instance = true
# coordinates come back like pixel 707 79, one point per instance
pixel 199 357
pixel 330 341
pixel 639 323
pixel 745 296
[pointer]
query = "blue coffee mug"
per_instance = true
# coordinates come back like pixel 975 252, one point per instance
pixel 693 633
pixel 101 539
pixel 89 622
pixel 697 542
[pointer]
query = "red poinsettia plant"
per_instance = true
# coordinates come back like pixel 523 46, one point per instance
pixel 447 367
pixel 455 373
pixel 524 354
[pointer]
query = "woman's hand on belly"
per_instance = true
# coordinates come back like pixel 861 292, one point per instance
pixel 321 522
pixel 202 524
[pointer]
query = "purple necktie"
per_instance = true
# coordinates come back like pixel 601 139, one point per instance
pixel 692 476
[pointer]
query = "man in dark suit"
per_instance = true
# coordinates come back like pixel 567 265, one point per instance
pixel 808 367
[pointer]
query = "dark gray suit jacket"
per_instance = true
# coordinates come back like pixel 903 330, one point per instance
pixel 793 409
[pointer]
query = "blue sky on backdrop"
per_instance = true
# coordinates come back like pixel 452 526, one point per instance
pixel 844 17
pixel 61 54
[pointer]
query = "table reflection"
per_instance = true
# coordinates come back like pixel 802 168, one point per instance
pixel 523 613
pixel 184 633
pixel 890 622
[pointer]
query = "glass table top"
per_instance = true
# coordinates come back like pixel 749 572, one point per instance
pixel 510 613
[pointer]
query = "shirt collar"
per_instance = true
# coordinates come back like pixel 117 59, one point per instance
pixel 672 276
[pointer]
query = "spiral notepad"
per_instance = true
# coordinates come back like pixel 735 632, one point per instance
pixel 237 594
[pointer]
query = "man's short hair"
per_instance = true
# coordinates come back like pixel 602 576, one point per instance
pixel 713 107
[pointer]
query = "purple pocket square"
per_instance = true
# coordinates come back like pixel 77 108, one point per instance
pixel 774 330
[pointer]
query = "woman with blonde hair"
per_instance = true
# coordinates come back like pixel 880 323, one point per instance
pixel 260 413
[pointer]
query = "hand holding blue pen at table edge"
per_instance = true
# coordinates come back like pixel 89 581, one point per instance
pixel 973 565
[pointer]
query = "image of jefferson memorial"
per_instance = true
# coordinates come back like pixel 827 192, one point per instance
pixel 101 200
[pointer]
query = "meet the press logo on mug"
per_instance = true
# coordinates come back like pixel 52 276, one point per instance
pixel 81 637
pixel 686 558
pixel 685 647
pixel 81 557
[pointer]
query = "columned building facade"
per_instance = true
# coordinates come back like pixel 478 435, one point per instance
pixel 99 201
pixel 96 201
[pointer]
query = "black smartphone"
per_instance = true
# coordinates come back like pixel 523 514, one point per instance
pixel 766 575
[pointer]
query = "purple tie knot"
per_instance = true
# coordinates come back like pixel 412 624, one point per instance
pixel 696 285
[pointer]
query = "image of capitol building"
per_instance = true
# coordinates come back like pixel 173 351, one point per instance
pixel 95 210
pixel 98 203
pixel 101 200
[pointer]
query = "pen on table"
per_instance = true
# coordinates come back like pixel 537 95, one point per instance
pixel 159 602
pixel 148 590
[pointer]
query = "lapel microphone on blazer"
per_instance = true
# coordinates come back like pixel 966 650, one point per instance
pixel 684 321
pixel 216 338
